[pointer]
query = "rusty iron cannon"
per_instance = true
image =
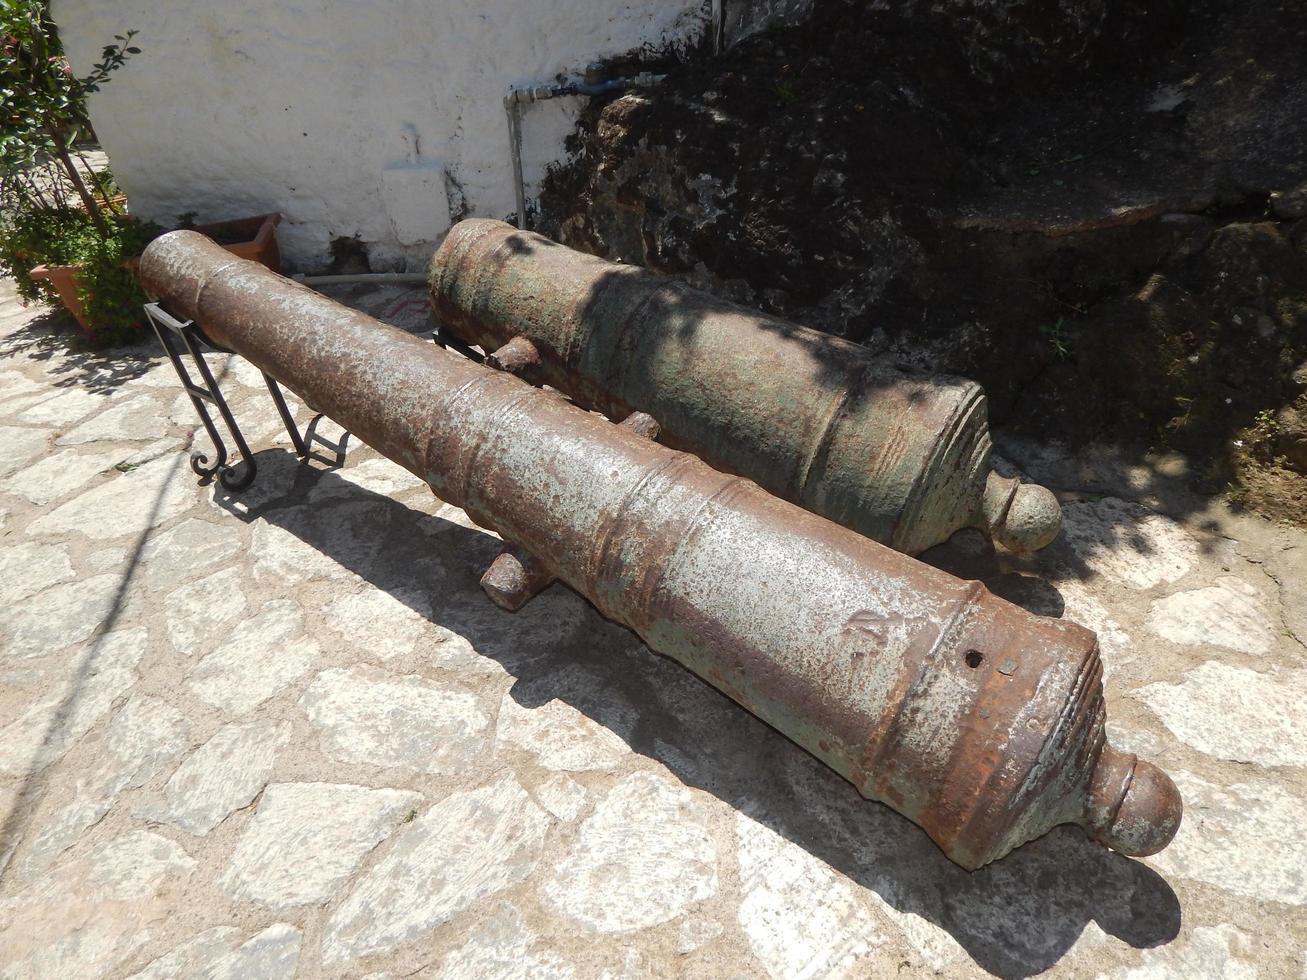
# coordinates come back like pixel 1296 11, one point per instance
pixel 975 719
pixel 814 419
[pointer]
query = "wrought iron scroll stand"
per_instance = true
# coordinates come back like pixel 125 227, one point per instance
pixel 170 332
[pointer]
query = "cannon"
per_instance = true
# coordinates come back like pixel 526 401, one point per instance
pixel 815 419
pixel 979 721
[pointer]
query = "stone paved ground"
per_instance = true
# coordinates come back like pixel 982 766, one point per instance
pixel 283 734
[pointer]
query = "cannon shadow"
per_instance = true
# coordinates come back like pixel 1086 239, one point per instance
pixel 1014 918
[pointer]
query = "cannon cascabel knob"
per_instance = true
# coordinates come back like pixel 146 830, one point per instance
pixel 814 419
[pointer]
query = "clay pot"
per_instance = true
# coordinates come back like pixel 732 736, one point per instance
pixel 64 280
pixel 257 234
pixel 255 239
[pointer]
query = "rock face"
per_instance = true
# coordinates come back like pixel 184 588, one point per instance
pixel 981 192
pixel 467 846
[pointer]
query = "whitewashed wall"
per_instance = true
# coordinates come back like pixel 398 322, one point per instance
pixel 368 118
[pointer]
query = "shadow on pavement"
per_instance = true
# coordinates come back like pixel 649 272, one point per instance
pixel 1015 918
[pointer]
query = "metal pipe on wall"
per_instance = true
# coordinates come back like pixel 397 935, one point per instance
pixel 527 95
pixel 975 719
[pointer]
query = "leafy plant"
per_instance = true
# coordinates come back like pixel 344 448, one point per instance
pixel 1055 335
pixel 43 110
pixel 107 287
pixel 53 212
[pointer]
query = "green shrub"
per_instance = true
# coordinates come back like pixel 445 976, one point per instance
pixel 67 236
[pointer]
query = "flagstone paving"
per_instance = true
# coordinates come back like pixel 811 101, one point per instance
pixel 282 733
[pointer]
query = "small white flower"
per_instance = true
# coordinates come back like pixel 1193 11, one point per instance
pixel 1239 443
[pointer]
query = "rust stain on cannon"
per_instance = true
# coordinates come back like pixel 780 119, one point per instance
pixel 975 719
pixel 812 418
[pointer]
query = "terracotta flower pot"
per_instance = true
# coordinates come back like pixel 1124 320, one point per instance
pixel 247 238
pixel 257 238
pixel 64 279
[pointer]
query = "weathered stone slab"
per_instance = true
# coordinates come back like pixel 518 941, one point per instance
pixel 194 958
pixel 1127 543
pixel 560 737
pixel 107 560
pixel 140 419
pixel 696 933
pixel 263 655
pixel 65 406
pixel 799 916
pixel 333 543
pixel 27 568
pixel 49 929
pixel 13 384
pixel 1209 951
pixel 128 503
pixel 140 740
pixel 451 651
pixel 273 954
pixel 156 449
pixel 221 776
pixel 199 613
pixel 307 838
pixel 60 616
pixel 190 547
pixel 56 476
pixel 61 831
pixel 372 476
pixel 562 796
pixel 1081 607
pixel 1237 714
pixel 386 625
pixel 367 716
pixel 498 947
pixel 1246 838
pixel 19 445
pixel 467 846
pixel 642 858
pixel 66 712
pixel 130 866
pixel 1229 614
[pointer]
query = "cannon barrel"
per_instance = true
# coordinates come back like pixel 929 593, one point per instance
pixel 814 419
pixel 975 719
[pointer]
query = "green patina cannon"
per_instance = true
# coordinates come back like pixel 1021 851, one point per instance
pixel 814 419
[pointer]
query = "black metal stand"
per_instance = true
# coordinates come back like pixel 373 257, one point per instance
pixel 169 330
pixel 448 341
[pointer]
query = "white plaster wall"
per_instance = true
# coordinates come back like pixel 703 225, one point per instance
pixel 344 115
